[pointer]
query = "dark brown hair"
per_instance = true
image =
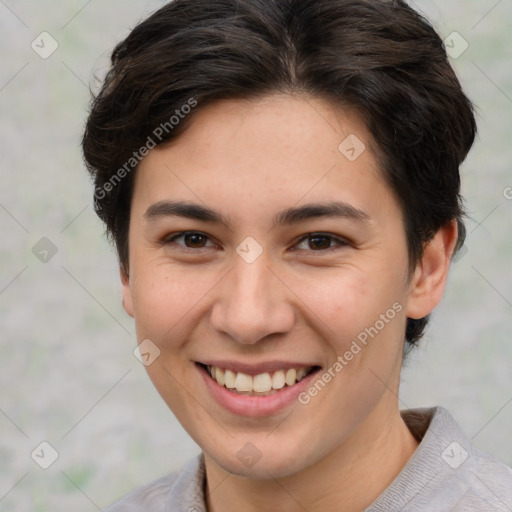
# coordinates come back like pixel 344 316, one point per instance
pixel 378 56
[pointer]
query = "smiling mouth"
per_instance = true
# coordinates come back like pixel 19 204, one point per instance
pixel 262 384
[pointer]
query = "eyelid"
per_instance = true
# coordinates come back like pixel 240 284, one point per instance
pixel 171 237
pixel 341 242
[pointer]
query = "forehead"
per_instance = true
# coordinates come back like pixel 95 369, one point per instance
pixel 279 126
pixel 269 153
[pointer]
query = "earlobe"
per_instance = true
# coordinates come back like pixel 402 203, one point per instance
pixel 429 280
pixel 127 293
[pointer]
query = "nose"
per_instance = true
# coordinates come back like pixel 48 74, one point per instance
pixel 252 303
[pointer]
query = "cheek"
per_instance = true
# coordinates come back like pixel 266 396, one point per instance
pixel 346 301
pixel 160 300
pixel 168 300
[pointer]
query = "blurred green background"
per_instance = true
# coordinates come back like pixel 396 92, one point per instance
pixel 67 372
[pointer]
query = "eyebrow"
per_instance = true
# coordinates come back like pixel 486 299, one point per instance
pixel 289 216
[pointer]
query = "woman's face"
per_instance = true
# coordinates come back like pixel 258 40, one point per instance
pixel 266 284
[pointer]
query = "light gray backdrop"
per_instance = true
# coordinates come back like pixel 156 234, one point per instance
pixel 68 376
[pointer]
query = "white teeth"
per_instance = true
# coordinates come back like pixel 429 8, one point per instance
pixel 262 383
pixel 243 382
pixel 291 376
pixel 278 381
pixel 219 375
pixel 229 379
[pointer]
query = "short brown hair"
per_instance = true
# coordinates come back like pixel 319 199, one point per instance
pixel 380 57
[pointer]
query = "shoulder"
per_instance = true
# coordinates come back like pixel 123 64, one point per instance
pixel 482 478
pixel 469 479
pixel 487 483
pixel 150 497
pixel 168 493
pixel 446 472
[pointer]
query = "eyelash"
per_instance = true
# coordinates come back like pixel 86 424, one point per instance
pixel 341 242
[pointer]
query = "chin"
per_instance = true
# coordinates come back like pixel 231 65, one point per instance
pixel 262 469
pixel 258 459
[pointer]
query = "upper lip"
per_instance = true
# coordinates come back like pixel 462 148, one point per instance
pixel 256 368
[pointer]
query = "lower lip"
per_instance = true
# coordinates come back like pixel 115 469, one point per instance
pixel 255 406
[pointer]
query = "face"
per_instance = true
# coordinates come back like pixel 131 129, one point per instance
pixel 246 276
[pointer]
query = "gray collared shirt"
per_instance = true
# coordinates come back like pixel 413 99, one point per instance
pixel 445 473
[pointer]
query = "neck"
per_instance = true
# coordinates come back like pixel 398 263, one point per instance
pixel 354 474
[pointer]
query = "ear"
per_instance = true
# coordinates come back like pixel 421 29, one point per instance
pixel 429 279
pixel 127 292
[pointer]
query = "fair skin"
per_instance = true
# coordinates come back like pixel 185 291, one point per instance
pixel 297 303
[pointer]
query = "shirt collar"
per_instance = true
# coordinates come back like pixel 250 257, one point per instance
pixel 434 428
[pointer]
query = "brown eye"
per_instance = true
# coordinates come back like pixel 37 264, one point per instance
pixel 191 239
pixel 321 242
pixel 194 240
